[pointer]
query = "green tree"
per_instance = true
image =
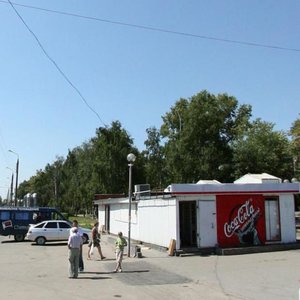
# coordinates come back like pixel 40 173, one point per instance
pixel 154 160
pixel 98 166
pixel 110 149
pixel 199 133
pixel 262 149
pixel 295 148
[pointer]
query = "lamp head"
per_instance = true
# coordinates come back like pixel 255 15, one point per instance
pixel 131 157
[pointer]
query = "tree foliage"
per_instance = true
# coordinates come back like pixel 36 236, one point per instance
pixel 261 149
pixel 204 137
pixel 295 147
pixel 98 166
pixel 154 159
pixel 199 134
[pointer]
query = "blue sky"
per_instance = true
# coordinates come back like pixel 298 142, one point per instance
pixel 135 75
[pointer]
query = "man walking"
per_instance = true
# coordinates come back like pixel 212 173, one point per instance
pixel 81 265
pixel 74 244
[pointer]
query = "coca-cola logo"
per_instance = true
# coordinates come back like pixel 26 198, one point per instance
pixel 245 215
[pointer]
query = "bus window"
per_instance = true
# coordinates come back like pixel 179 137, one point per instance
pixel 4 215
pixel 21 216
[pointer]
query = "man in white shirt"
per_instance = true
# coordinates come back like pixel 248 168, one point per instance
pixel 81 265
pixel 74 245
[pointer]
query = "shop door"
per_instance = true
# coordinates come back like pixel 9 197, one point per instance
pixel 207 224
pixel 188 224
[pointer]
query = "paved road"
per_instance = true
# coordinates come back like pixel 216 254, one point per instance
pixel 41 272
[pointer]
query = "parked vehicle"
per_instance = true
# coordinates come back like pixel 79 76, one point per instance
pixel 15 221
pixel 53 231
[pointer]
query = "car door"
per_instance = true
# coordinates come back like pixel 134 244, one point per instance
pixel 64 230
pixel 51 231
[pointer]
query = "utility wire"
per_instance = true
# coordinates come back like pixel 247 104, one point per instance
pixel 206 37
pixel 56 65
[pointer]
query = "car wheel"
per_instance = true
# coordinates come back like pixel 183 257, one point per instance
pixel 40 240
pixel 85 238
pixel 19 237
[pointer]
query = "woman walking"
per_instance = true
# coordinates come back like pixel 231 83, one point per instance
pixel 95 242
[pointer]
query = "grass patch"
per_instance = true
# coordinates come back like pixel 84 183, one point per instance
pixel 85 222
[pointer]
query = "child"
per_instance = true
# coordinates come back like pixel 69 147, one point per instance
pixel 120 244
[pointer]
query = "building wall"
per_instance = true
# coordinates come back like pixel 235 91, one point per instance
pixel 152 220
pixel 157 221
pixel 119 218
pixel 287 218
pixel 101 215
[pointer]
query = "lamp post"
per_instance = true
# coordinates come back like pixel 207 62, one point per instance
pixel 130 158
pixel 17 175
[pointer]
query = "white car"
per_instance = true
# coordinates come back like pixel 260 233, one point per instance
pixel 53 230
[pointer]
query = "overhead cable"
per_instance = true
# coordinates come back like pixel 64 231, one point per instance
pixel 245 43
pixel 56 65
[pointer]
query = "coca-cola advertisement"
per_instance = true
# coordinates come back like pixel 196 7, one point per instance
pixel 241 220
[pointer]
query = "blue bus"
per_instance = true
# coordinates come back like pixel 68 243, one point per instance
pixel 15 221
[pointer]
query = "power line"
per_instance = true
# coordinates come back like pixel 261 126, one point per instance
pixel 206 37
pixel 56 65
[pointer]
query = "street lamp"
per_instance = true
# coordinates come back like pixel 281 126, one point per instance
pixel 130 158
pixel 17 175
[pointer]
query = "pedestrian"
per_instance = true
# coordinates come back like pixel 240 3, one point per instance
pixel 81 264
pixel 74 244
pixel 120 244
pixel 95 243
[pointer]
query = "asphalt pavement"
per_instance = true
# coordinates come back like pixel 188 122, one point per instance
pixel 36 272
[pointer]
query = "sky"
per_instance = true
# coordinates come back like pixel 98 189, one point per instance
pixel 68 67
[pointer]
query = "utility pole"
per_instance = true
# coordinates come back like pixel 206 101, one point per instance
pixel 16 189
pixel 11 188
pixel 17 175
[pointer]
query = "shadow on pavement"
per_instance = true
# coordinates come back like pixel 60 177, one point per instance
pixel 106 259
pixel 13 241
pixel 51 244
pixel 113 272
pixel 92 277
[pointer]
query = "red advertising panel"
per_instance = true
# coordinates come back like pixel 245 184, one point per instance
pixel 240 220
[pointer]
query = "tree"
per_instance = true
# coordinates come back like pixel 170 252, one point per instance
pixel 199 134
pixel 98 166
pixel 261 149
pixel 295 148
pixel 110 149
pixel 154 160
